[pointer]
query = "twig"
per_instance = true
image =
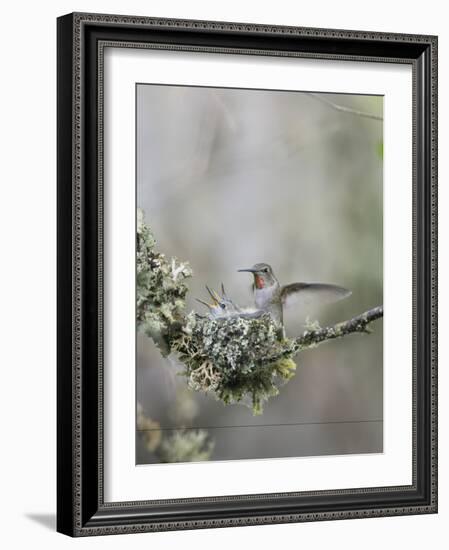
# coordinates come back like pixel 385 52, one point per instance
pixel 343 109
pixel 312 338
pixel 356 324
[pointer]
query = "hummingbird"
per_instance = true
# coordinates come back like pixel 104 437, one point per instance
pixel 270 296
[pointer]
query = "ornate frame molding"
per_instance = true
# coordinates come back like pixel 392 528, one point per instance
pixel 81 41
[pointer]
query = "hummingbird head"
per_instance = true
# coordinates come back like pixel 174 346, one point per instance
pixel 263 275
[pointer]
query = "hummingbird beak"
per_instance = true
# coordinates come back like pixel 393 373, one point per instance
pixel 215 298
pixel 249 270
pixel 204 303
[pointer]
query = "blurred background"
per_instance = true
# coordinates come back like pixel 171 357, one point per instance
pixel 228 178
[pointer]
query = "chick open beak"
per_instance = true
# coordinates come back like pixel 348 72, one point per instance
pixel 215 297
pixel 204 303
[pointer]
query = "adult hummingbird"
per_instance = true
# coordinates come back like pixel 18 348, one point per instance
pixel 270 296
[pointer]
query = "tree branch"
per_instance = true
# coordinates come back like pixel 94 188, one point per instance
pixel 360 323
pixel 314 337
pixel 343 109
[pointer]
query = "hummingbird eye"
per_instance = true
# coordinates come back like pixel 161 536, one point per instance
pixel 265 270
pixel 222 306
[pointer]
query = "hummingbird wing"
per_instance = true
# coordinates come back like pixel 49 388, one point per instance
pixel 312 293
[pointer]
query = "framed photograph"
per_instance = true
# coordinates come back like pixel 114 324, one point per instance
pixel 247 279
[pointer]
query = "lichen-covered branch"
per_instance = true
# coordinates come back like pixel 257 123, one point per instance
pixel 161 289
pixel 316 335
pixel 360 323
pixel 356 324
pixel 236 358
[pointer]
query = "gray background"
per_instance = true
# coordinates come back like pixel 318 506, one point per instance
pixel 228 178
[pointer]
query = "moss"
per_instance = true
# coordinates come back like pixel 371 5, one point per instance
pixel 285 368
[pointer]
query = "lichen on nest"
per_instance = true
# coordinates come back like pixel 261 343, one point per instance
pixel 228 357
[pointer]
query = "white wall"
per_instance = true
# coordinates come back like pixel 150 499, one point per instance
pixel 27 218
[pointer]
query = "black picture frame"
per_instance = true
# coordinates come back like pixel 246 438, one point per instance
pixel 81 509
